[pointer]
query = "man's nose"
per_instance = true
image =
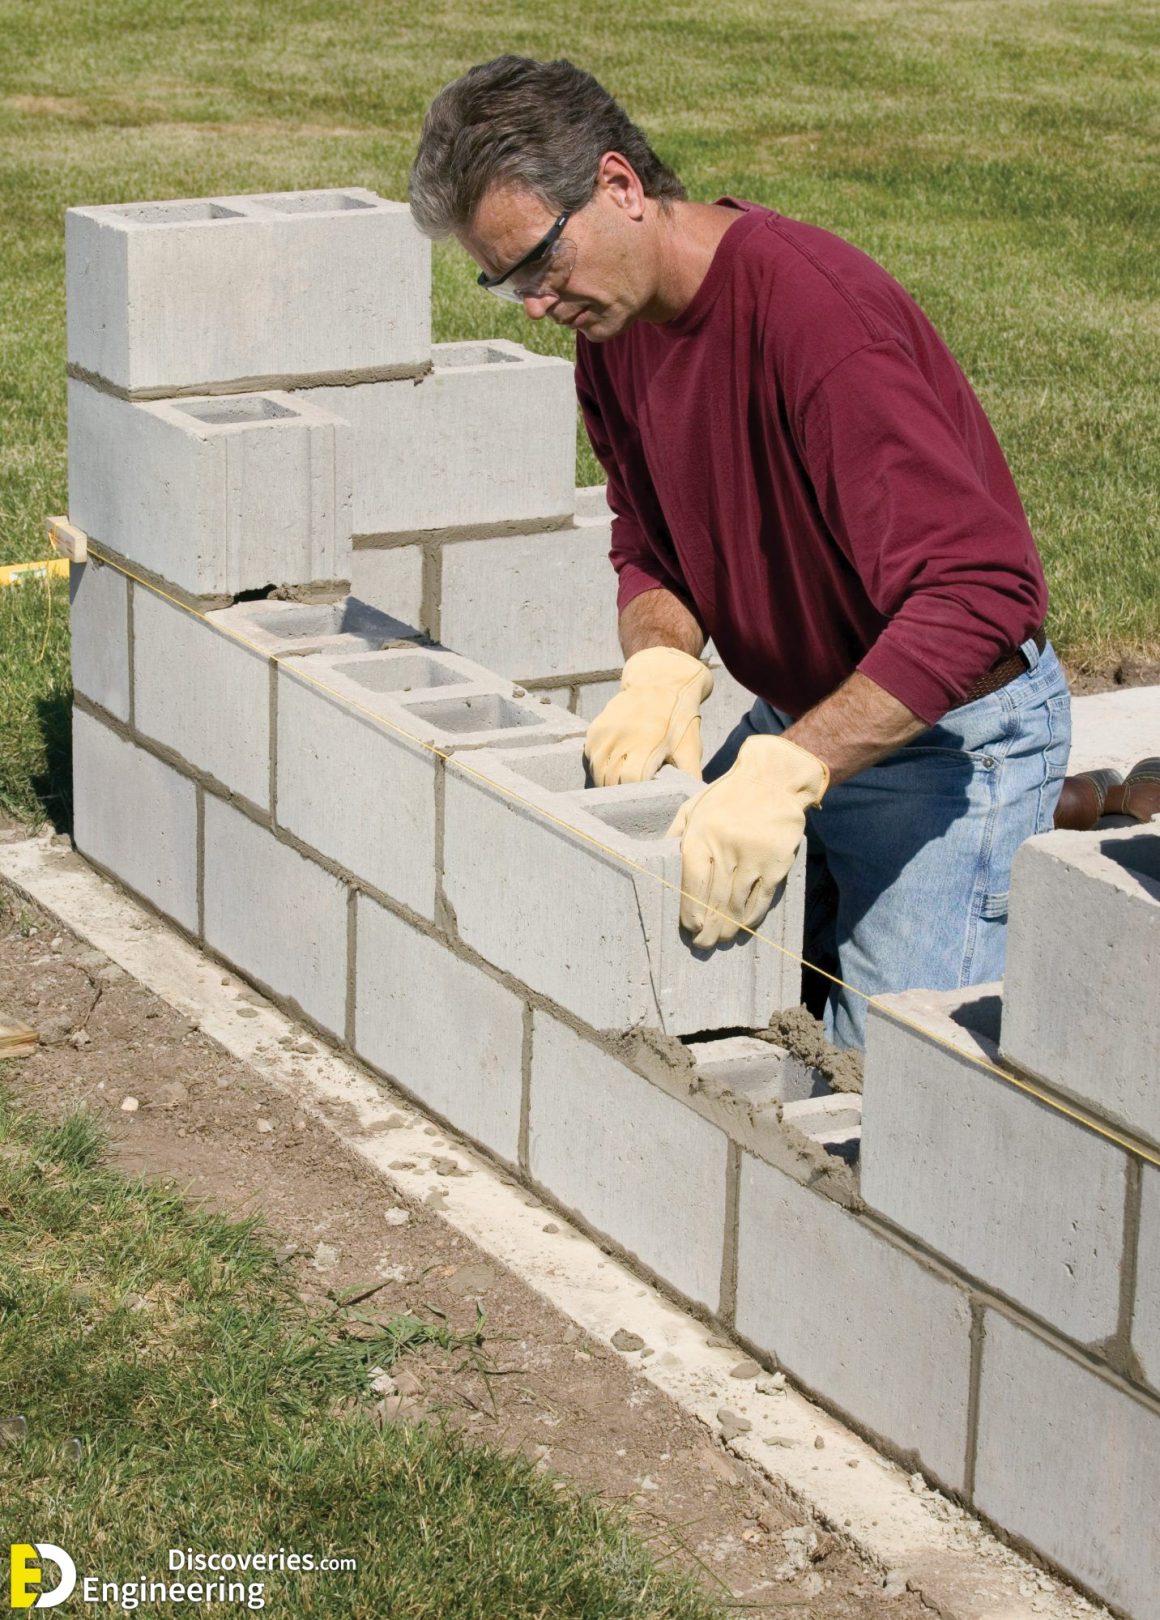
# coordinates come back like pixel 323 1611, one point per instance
pixel 537 305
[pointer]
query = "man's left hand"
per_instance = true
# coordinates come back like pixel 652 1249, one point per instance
pixel 739 836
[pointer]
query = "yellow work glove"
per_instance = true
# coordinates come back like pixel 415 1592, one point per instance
pixel 655 717
pixel 740 834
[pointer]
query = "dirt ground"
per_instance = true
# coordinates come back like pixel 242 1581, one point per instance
pixel 1127 671
pixel 234 1142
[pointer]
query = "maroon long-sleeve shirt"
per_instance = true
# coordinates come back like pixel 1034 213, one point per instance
pixel 799 457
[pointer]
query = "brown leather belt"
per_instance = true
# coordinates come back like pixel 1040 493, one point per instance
pixel 1004 670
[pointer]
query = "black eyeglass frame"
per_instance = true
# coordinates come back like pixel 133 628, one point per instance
pixel 541 247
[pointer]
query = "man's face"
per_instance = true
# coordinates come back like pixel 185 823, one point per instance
pixel 602 288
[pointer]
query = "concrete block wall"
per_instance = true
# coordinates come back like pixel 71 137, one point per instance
pixel 394 840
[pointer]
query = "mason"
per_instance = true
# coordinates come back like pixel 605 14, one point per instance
pixel 799 471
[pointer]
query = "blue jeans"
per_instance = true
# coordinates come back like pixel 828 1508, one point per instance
pixel 909 862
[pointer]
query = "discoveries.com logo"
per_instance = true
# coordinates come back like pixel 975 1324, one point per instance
pixel 26 1560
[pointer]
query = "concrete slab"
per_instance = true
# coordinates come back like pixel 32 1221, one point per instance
pixel 1114 728
pixel 1146 1315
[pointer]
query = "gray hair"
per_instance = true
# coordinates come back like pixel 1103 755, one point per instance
pixel 540 125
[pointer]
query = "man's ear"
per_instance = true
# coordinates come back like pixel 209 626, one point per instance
pixel 618 180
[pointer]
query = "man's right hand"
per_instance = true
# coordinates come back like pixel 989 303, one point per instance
pixel 654 718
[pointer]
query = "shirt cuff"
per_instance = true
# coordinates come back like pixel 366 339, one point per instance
pixel 915 684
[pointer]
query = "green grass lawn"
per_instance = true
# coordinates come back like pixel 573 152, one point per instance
pixel 161 1386
pixel 996 155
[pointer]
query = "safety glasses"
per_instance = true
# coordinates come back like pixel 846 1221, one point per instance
pixel 544 270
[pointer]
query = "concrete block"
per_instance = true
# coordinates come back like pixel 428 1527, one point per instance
pixel 135 817
pixel 99 627
pixel 1114 728
pixel 568 898
pixel 390 578
pixel 591 503
pixel 171 296
pixel 1081 1005
pixel 1070 1462
pixel 356 792
pixel 1146 1316
pixel 532 605
pixel 1021 1197
pixel 635 1163
pixel 488 436
pixel 860 1322
pixel 280 919
pixel 203 695
pixel 218 495
pixel 591 696
pixel 758 1070
pixel 833 1122
pixel 296 629
pixel 443 1029
pixel 435 697
pixel 726 704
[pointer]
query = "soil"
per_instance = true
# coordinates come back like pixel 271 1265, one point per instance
pixel 233 1142
pixel 1084 679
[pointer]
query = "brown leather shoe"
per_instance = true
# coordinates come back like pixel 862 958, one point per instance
pixel 1139 793
pixel 1085 798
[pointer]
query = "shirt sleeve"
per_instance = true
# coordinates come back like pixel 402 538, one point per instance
pixel 940 555
pixel 638 568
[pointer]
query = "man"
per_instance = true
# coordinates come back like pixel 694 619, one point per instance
pixel 800 471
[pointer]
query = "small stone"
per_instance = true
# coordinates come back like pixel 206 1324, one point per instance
pixel 430 1130
pixel 56 945
pixel 851 1462
pixel 325 1257
pixel 265 1125
pixel 80 1038
pixel 647 1351
pixel 819 1443
pixel 397 1216
pixel 307 1048
pixel 446 1167
pixel 771 1385
pixel 72 1451
pixel 895 1583
pixel 745 1369
pixel 718 1344
pixel 732 1423
pixel 622 1339
pixel 437 1197
pixel 129 1105
pixel 551 1227
pixel 401 1164
pixel 518 691
pixel 382 1383
pixel 224 979
pixel 917 1484
pixel 812 1584
pixel 286 1041
pixel 246 1012
pixel 407 1384
pixel 170 1095
pixel 474 1279
pixel 13 1430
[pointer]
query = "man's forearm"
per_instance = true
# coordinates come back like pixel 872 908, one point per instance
pixel 855 726
pixel 659 619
